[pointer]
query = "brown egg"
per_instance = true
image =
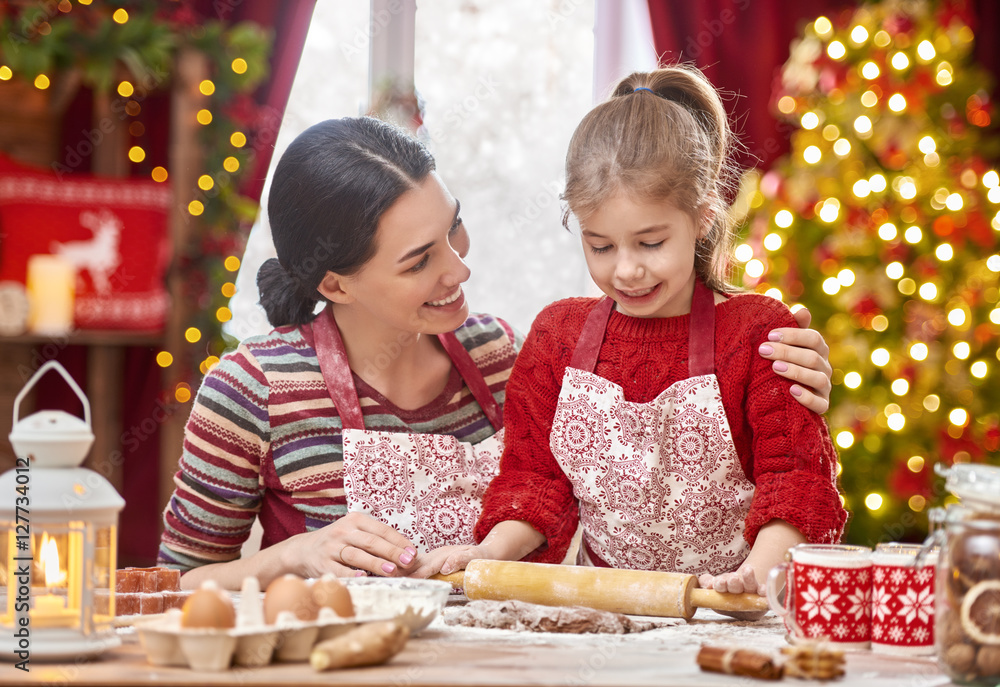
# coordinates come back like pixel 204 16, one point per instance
pixel 329 592
pixel 208 607
pixel 289 593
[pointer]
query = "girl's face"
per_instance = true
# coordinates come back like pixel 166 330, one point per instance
pixel 641 254
pixel 413 282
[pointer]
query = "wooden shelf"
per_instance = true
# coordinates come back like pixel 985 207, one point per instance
pixel 89 337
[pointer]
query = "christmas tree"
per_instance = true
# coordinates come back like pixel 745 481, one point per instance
pixel 883 220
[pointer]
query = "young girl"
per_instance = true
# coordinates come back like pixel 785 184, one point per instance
pixel 646 414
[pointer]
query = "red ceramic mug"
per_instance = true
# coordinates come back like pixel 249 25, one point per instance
pixel 828 594
pixel 902 600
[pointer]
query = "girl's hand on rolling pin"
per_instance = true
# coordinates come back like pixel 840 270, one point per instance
pixel 447 559
pixel 738 582
pixel 352 546
pixel 802 356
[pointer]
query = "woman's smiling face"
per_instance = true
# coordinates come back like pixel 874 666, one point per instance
pixel 641 254
pixel 413 281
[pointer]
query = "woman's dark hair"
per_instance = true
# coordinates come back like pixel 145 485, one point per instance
pixel 329 191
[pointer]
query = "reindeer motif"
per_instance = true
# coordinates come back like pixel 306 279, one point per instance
pixel 99 255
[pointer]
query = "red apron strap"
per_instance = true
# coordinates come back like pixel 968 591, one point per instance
pixel 339 379
pixel 473 377
pixel 595 560
pixel 280 521
pixel 701 335
pixel 592 336
pixel 336 370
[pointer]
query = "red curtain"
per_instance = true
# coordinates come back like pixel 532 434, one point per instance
pixel 139 523
pixel 742 44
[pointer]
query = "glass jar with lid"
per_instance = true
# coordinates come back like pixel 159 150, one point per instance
pixel 967 594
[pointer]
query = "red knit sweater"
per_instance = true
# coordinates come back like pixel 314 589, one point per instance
pixel 785 449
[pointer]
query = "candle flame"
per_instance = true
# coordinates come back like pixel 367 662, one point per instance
pixel 50 561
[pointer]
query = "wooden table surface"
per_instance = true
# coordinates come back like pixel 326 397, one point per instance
pixel 452 655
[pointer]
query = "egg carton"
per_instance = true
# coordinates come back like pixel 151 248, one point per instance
pixel 166 643
pixel 252 643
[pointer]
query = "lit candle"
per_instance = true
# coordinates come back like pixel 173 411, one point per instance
pixel 51 288
pixel 50 604
pixel 49 611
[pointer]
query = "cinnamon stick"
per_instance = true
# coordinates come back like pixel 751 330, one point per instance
pixel 732 661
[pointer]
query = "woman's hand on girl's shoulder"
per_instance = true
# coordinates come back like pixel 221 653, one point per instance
pixel 354 545
pixel 447 559
pixel 803 356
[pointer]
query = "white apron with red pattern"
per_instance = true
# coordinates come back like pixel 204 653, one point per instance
pixel 428 487
pixel 660 485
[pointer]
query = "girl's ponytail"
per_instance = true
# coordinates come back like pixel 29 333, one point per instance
pixel 688 87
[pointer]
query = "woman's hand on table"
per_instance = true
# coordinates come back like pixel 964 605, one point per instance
pixel 803 356
pixel 447 559
pixel 354 545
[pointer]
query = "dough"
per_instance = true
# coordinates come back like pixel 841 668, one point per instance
pixel 519 615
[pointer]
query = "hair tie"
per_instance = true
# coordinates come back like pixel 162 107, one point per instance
pixel 643 88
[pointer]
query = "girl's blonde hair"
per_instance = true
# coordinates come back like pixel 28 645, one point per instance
pixel 671 144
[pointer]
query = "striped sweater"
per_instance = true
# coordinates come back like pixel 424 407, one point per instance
pixel 264 439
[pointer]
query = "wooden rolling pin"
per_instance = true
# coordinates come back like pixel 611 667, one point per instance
pixel 633 592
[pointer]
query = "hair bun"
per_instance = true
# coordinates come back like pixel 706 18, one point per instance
pixel 282 297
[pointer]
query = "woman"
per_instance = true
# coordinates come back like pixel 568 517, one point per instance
pixel 386 408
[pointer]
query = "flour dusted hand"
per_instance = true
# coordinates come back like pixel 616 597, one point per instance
pixel 447 559
pixel 743 580
pixel 511 540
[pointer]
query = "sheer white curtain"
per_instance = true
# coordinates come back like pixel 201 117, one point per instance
pixel 623 43
pixel 504 84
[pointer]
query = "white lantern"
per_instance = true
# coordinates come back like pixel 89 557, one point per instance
pixel 58 539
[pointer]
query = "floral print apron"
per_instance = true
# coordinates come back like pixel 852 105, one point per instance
pixel 428 487
pixel 660 484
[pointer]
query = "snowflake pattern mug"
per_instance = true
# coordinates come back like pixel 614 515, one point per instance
pixel 902 600
pixel 828 593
